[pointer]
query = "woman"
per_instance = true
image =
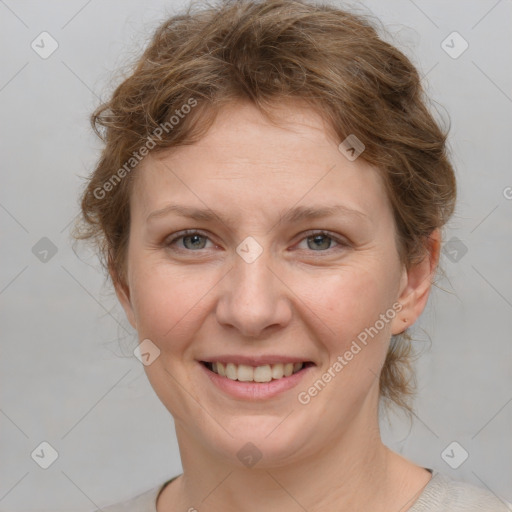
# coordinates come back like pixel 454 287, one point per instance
pixel 269 206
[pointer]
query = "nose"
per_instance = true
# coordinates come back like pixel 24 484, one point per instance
pixel 254 300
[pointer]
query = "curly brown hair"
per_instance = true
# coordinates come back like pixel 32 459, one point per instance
pixel 263 52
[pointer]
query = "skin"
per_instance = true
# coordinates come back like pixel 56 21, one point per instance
pixel 297 298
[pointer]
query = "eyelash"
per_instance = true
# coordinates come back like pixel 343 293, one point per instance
pixel 341 243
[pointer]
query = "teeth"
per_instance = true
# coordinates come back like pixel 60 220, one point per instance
pixel 246 373
pixel 262 373
pixel 221 369
pixel 231 372
pixel 277 371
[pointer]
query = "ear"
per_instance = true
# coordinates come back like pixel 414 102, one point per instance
pixel 123 294
pixel 416 284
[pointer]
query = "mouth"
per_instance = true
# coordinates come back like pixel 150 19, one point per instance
pixel 257 374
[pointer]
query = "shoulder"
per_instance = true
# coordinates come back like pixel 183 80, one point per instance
pixel 143 502
pixel 442 494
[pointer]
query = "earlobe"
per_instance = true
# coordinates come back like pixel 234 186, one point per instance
pixel 416 284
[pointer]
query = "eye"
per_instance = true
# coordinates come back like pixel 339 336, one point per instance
pixel 191 240
pixel 321 241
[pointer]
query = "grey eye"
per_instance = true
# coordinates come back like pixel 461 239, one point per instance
pixel 319 242
pixel 195 241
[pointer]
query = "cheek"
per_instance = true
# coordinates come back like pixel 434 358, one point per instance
pixel 348 302
pixel 351 305
pixel 169 302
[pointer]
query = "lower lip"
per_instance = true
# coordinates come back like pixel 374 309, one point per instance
pixel 255 390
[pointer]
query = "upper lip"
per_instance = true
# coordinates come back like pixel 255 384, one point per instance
pixel 255 360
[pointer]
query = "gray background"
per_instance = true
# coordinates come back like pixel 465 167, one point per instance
pixel 68 375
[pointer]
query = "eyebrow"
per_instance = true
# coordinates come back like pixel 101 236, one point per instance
pixel 293 215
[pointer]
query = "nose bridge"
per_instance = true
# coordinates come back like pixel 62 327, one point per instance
pixel 252 296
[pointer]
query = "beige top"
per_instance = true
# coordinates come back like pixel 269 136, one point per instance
pixel 441 494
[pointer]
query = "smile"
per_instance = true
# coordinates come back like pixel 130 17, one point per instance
pixel 263 373
pixel 262 382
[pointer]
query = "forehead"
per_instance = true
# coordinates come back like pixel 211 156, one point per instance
pixel 245 160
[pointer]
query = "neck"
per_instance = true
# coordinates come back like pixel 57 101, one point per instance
pixel 353 471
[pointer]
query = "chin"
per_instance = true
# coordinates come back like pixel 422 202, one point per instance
pixel 264 441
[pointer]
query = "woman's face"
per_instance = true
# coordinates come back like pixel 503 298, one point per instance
pixel 256 282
